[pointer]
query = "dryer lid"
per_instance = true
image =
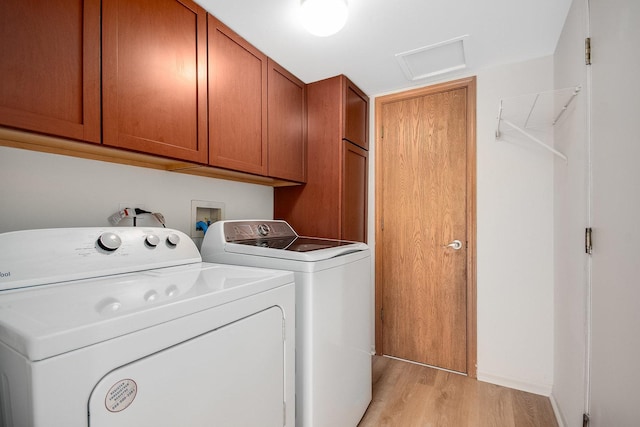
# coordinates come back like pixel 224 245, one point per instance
pixel 44 321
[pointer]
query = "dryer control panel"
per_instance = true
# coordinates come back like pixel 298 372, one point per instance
pixel 38 257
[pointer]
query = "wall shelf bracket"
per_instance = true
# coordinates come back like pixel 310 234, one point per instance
pixel 537 111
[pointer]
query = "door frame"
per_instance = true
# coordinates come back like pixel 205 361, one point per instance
pixel 468 83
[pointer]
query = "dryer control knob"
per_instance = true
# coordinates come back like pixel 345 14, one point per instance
pixel 152 240
pixel 109 241
pixel 172 240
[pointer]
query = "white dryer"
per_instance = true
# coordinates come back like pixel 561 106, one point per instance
pixel 126 327
pixel 333 312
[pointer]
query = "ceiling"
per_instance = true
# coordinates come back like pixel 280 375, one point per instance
pixel 497 32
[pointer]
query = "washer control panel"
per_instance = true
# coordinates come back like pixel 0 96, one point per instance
pixel 37 257
pixel 238 231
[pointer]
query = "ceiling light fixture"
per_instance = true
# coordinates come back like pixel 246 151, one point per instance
pixel 323 17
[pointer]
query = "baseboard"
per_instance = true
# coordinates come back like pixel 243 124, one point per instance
pixel 556 411
pixel 541 389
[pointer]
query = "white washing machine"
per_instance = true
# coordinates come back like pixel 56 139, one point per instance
pixel 127 327
pixel 333 312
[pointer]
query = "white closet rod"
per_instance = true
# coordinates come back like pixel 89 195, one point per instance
pixel 534 139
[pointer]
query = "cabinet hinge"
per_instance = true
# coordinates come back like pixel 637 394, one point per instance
pixel 381 132
pixel 588 242
pixel 284 413
pixel 587 51
pixel 585 420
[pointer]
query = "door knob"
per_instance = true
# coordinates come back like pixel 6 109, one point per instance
pixel 455 245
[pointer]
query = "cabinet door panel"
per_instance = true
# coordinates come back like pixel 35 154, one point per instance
pixel 356 115
pixel 154 77
pixel 237 102
pixel 354 192
pixel 50 67
pixel 287 125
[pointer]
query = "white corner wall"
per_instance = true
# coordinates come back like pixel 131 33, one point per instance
pixel 40 190
pixel 515 238
pixel 571 181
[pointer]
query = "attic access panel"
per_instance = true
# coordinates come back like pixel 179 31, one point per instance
pixel 433 60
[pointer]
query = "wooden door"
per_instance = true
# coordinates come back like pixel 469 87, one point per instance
pixel 50 67
pixel 425 181
pixel 237 102
pixel 154 77
pixel 287 119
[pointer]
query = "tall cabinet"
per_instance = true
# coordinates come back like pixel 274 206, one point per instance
pixel 333 202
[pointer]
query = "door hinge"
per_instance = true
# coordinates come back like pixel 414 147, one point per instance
pixel 585 420
pixel 284 413
pixel 381 132
pixel 588 242
pixel 381 314
pixel 587 51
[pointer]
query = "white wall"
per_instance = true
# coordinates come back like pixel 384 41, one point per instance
pixel 515 236
pixel 570 219
pixel 39 190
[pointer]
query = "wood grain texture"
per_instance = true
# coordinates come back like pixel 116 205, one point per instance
pixel 237 101
pixel 424 209
pixel 154 77
pixel 410 395
pixel 50 67
pixel 426 199
pixel 287 121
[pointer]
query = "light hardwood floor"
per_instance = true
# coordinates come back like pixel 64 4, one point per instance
pixel 410 395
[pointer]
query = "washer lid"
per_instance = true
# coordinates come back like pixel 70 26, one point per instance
pixel 272 239
pixel 42 322
pixel 298 248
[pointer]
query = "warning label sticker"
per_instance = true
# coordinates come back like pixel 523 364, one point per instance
pixel 121 395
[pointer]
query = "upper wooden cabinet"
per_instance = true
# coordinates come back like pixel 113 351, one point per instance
pixel 333 202
pixel 237 102
pixel 287 112
pixel 157 77
pixel 154 77
pixel 356 114
pixel 50 67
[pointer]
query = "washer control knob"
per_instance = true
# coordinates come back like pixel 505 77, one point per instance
pixel 263 230
pixel 109 241
pixel 173 239
pixel 152 240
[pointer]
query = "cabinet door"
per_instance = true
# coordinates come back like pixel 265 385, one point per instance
pixel 356 115
pixel 237 102
pixel 354 192
pixel 154 77
pixel 50 67
pixel 287 125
